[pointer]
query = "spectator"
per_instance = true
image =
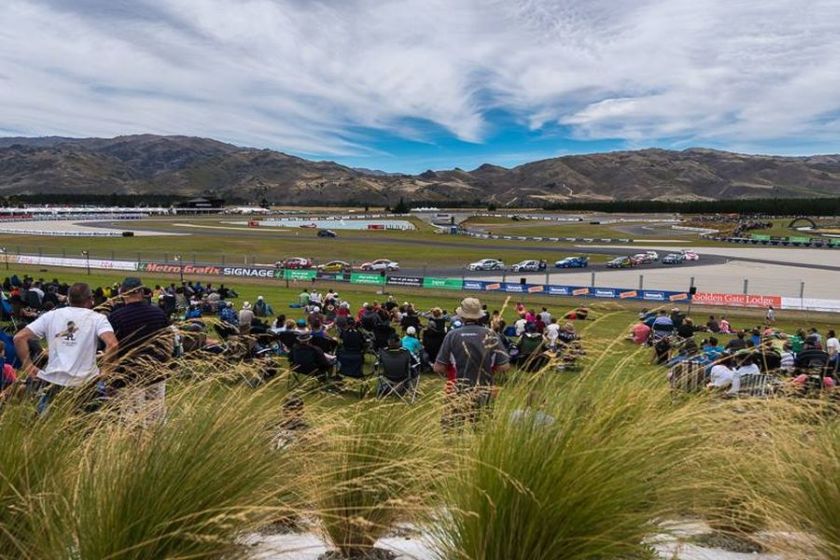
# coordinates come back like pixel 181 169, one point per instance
pixel 545 316
pixel 304 298
pixel 7 376
pixel 411 343
pixel 722 376
pixel 725 327
pixel 71 333
pixel 812 356
pixel 712 349
pixel 832 346
pixel 687 328
pixel 770 317
pixel 476 353
pixel 262 308
pixel 712 324
pixel 308 359
pixel 245 319
pixel 737 343
pixel 640 333
pixel 142 331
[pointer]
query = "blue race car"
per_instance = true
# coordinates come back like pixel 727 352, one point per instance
pixel 572 262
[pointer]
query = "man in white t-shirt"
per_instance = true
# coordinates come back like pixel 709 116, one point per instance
pixel 72 334
pixel 520 326
pixel 832 346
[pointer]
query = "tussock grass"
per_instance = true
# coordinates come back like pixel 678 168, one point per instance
pixel 372 465
pixel 581 471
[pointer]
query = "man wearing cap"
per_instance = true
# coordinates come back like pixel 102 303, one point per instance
pixel 145 341
pixel 476 354
pixel 72 334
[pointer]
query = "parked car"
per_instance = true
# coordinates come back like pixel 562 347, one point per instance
pixel 526 266
pixel 380 264
pixel 673 258
pixel 572 262
pixel 621 262
pixel 487 264
pixel 690 255
pixel 335 267
pixel 327 233
pixel 294 263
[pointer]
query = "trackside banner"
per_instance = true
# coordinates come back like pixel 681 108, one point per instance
pixel 99 264
pixel 410 281
pixel 736 300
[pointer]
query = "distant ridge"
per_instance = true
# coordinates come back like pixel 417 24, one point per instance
pixel 189 166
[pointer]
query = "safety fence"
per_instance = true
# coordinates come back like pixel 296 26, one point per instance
pixel 384 280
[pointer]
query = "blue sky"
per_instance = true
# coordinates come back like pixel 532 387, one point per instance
pixel 407 85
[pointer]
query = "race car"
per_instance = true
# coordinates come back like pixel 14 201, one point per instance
pixel 380 264
pixel 674 258
pixel 309 226
pixel 327 233
pixel 335 267
pixel 487 264
pixel 294 263
pixel 526 266
pixel 642 258
pixel 654 256
pixel 690 255
pixel 572 262
pixel 621 262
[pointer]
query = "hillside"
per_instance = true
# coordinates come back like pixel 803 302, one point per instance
pixel 189 166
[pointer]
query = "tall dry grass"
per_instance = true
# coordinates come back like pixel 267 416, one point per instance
pixel 371 466
pixel 576 470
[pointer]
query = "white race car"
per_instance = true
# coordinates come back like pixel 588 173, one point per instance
pixel 526 266
pixel 380 264
pixel 486 264
pixel 690 255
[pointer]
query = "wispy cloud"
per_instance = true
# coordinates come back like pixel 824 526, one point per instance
pixel 307 76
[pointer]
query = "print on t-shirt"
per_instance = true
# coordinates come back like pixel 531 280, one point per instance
pixel 69 334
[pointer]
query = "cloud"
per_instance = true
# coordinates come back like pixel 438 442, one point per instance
pixel 324 78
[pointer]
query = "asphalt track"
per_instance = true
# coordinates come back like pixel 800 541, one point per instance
pixel 549 252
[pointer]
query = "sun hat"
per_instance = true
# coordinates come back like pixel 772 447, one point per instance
pixel 246 305
pixel 470 308
pixel 259 298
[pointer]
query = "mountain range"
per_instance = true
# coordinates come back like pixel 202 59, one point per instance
pixel 189 166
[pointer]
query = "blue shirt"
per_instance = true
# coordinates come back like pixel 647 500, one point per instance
pixel 413 345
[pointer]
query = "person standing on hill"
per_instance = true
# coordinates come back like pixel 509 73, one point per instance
pixel 476 354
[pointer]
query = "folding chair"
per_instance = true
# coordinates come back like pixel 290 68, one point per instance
pixel 397 376
pixel 688 376
pixel 759 385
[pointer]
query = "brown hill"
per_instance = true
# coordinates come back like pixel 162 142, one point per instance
pixel 190 166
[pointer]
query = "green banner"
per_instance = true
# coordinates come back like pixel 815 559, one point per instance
pixel 363 278
pixel 760 237
pixel 296 274
pixel 445 283
pixel 796 239
pixel 835 241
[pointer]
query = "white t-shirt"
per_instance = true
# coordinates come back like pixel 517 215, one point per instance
pixel 751 369
pixel 721 376
pixel 832 346
pixel 71 334
pixel 552 331
pixel 520 326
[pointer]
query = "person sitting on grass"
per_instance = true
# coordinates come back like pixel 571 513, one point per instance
pixel 723 377
pixel 737 343
pixel 639 333
pixel 579 314
pixel 687 328
pixel 725 327
pixel 712 349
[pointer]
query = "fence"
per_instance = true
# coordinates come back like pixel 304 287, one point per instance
pixel 571 285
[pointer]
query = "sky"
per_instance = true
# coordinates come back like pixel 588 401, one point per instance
pixel 409 85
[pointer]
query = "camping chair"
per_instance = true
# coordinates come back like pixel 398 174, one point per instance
pixel 302 367
pixel 350 365
pixel 530 357
pixel 288 339
pixel 397 373
pixel 759 385
pixel 688 376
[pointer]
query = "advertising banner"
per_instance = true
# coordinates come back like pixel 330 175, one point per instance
pixel 297 274
pixel 536 289
pixel 811 304
pixel 515 288
pixel 253 272
pixel 103 264
pixel 559 290
pixel 445 283
pixel 166 268
pixel 608 293
pixel 366 278
pixel 736 300
pixel 475 285
pixel 411 281
pixel 632 294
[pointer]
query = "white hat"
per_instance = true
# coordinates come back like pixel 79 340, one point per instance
pixel 316 309
pixel 259 298
pixel 246 305
pixel 411 331
pixel 470 309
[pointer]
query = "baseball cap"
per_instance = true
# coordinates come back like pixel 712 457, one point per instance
pixel 131 283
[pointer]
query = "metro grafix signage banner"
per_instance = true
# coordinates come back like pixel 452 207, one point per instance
pixel 166 268
pixel 252 272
